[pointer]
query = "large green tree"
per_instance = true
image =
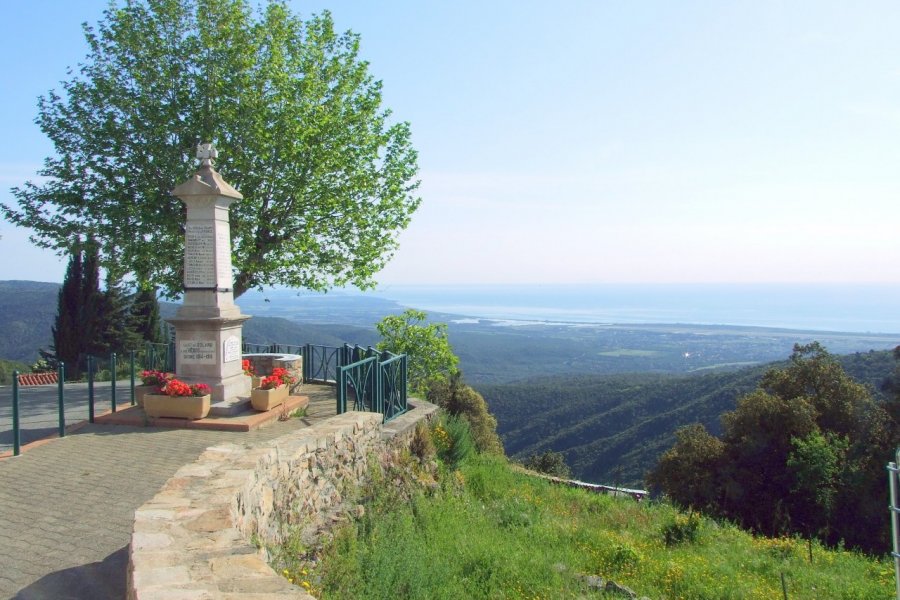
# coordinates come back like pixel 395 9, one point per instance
pixel 804 453
pixel 327 181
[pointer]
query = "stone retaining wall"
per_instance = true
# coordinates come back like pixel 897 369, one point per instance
pixel 202 536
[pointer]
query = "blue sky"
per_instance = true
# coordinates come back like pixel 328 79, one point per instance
pixel 594 141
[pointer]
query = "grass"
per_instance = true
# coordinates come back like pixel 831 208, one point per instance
pixel 485 531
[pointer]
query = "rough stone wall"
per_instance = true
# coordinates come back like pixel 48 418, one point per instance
pixel 193 539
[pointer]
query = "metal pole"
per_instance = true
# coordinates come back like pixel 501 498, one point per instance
pixel 61 376
pixel 17 440
pixel 90 361
pixel 895 525
pixel 112 378
pixel 132 379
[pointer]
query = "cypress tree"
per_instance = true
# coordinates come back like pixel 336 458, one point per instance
pixel 67 335
pixel 92 325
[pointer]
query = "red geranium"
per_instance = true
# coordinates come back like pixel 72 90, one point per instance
pixel 283 374
pixel 157 378
pixel 176 387
pixel 271 382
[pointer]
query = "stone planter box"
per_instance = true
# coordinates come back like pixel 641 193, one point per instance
pixel 179 407
pixel 255 382
pixel 142 390
pixel 268 399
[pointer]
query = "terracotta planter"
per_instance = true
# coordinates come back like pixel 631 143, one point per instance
pixel 268 399
pixel 179 407
pixel 142 390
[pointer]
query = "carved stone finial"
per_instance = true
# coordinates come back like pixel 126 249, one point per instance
pixel 206 153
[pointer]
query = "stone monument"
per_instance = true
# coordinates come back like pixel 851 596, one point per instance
pixel 208 324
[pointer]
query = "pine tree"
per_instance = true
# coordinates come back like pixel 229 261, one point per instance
pixel 145 319
pixel 117 333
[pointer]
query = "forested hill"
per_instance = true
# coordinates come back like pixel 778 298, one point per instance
pixel 612 428
pixel 27 310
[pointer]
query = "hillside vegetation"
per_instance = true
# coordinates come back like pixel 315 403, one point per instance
pixel 613 428
pixel 803 454
pixel 485 530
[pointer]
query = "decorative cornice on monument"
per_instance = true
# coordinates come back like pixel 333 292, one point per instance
pixel 206 181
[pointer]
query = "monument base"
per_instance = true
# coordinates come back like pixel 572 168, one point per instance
pixel 208 350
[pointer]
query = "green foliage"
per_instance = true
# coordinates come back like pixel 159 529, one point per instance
pixel 67 331
pixel 421 444
pixel 801 454
pixel 430 357
pixel 603 423
pixel 296 116
pixel 816 463
pixel 503 534
pixel 144 315
pixel 452 440
pixel 459 399
pixel 687 471
pixel 88 321
pixel 116 323
pixel 6 370
pixel 682 529
pixel 550 463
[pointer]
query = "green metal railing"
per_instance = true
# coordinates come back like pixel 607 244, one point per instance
pixel 365 378
pixel 375 382
pixel 96 370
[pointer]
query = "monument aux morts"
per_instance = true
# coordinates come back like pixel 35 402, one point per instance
pixel 208 324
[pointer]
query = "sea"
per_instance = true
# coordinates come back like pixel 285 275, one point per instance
pixel 857 308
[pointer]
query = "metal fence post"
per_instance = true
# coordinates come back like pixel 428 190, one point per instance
pixel 893 469
pixel 17 440
pixel 60 386
pixel 90 366
pixel 112 379
pixel 132 379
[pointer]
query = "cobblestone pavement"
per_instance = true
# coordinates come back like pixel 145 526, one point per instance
pixel 66 507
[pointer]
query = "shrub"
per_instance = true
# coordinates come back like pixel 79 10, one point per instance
pixel 683 529
pixel 459 399
pixel 549 463
pixel 421 445
pixel 453 440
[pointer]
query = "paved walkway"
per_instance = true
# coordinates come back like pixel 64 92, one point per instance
pixel 66 507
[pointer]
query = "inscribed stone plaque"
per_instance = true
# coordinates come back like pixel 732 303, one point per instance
pixel 200 352
pixel 199 255
pixel 231 349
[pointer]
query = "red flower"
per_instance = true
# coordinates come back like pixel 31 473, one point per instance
pixel 157 378
pixel 271 382
pixel 176 387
